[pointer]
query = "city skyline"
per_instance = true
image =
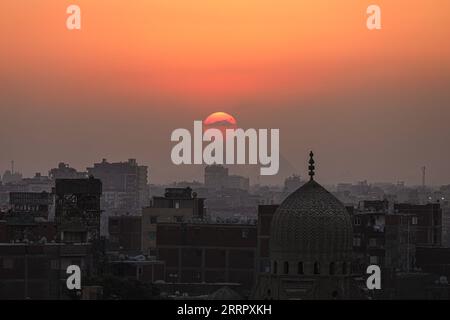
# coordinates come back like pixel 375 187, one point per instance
pixel 303 174
pixel 372 104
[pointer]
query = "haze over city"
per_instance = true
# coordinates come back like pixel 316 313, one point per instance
pixel 199 152
pixel 373 105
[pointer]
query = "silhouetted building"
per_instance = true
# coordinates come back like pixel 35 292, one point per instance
pixel 238 182
pixel 64 171
pixel 211 253
pixel 292 183
pixel 28 219
pixel 177 205
pixel 27 229
pixel 147 271
pixel 10 176
pixel 125 233
pixel 38 271
pixel 429 222
pixel 34 204
pixel 124 184
pixel 38 183
pixel 265 215
pixel 77 211
pixel 216 177
pixel 434 260
pixel 3 231
pixel 383 238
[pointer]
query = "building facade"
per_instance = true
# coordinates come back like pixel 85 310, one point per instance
pixel 208 253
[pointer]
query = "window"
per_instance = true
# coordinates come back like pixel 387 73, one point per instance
pixel 114 222
pixel 373 260
pixel 275 267
pixel 286 267
pixel 245 234
pixel 179 219
pixel 54 264
pixel 332 268
pixel 8 263
pixel 344 268
pixel 372 242
pixel 414 220
pixel 357 242
pixel 152 235
pixel 153 219
pixel 357 221
pixel 316 268
pixel 177 205
pixel 300 268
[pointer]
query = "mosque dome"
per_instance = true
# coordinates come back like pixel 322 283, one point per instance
pixel 311 232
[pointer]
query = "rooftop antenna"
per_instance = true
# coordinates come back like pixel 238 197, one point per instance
pixel 12 166
pixel 423 177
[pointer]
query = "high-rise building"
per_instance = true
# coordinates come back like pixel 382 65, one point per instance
pixel 124 184
pixel 216 177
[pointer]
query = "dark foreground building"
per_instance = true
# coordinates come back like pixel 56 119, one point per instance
pixel 125 234
pixel 199 253
pixel 77 209
pixel 38 271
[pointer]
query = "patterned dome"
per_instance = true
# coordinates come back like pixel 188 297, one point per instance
pixel 311 226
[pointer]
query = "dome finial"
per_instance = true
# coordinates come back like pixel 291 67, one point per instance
pixel 311 166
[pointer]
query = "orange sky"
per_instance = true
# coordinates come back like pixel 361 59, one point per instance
pixel 206 50
pixel 146 57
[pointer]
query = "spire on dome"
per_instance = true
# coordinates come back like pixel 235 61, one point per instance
pixel 311 166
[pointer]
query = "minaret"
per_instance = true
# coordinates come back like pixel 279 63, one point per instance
pixel 311 166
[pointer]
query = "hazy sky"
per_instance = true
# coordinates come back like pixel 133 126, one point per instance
pixel 372 104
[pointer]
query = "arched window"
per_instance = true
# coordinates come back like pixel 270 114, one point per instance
pixel 286 267
pixel 332 268
pixel 300 268
pixel 275 267
pixel 316 268
pixel 344 268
